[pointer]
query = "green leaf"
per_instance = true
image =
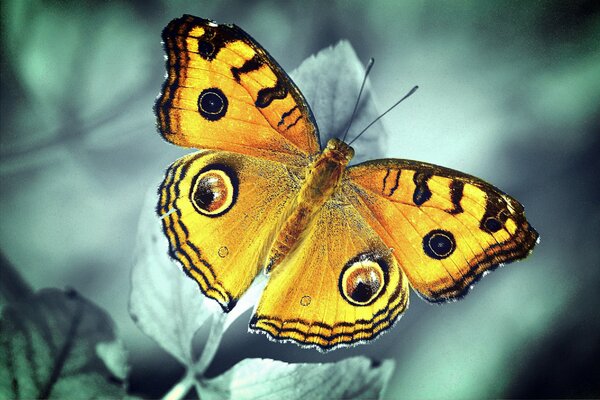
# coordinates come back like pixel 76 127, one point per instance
pixel 49 345
pixel 355 378
pixel 114 356
pixel 12 285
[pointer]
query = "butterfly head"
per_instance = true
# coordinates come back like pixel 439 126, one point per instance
pixel 339 151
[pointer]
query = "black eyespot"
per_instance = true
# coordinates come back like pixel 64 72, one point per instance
pixel 364 291
pixel 205 49
pixel 492 224
pixel 439 244
pixel 214 191
pixel 363 279
pixel 212 104
pixel 206 194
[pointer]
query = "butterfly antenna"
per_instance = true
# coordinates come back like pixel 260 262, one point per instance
pixel 362 86
pixel 386 111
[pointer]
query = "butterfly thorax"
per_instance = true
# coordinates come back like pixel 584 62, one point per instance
pixel 322 179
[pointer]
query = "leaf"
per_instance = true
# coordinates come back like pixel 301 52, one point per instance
pixel 48 348
pixel 12 285
pixel 114 356
pixel 330 81
pixel 164 303
pixel 356 377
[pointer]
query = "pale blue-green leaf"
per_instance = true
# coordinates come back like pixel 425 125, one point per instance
pixel 164 303
pixel 114 356
pixel 352 378
pixel 330 81
pixel 48 348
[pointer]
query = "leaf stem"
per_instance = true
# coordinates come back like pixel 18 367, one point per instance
pixel 66 348
pixel 182 387
pixel 212 344
pixel 195 374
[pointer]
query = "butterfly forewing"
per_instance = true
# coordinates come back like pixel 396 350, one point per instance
pixel 446 228
pixel 224 91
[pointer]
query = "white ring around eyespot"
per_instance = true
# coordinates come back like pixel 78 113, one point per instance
pixel 204 94
pixel 374 268
pixel 226 180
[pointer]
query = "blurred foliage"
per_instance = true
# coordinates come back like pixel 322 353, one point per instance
pixel 56 344
pixel 510 91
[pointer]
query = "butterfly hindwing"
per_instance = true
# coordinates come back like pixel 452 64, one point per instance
pixel 446 228
pixel 340 286
pixel 223 91
pixel 219 211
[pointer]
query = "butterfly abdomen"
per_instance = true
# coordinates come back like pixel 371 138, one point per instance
pixel 322 179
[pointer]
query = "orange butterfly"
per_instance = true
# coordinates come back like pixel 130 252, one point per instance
pixel 340 244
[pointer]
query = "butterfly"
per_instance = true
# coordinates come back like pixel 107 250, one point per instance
pixel 341 244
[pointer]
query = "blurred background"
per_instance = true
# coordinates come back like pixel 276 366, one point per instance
pixel 509 92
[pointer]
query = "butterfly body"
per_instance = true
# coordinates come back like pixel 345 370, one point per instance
pixel 341 243
pixel 323 177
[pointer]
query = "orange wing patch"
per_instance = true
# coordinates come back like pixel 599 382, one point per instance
pixel 224 91
pixel 219 212
pixel 340 286
pixel 446 228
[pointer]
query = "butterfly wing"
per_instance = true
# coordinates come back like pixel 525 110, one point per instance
pixel 223 91
pixel 446 228
pixel 340 286
pixel 219 211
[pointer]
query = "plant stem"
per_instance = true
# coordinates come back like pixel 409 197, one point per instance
pixel 212 344
pixel 196 373
pixel 182 387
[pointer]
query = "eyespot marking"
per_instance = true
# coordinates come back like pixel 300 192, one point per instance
pixel 223 251
pixel 305 301
pixel 214 192
pixel 439 244
pixel 206 49
pixel 212 104
pixel 491 224
pixel 363 279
